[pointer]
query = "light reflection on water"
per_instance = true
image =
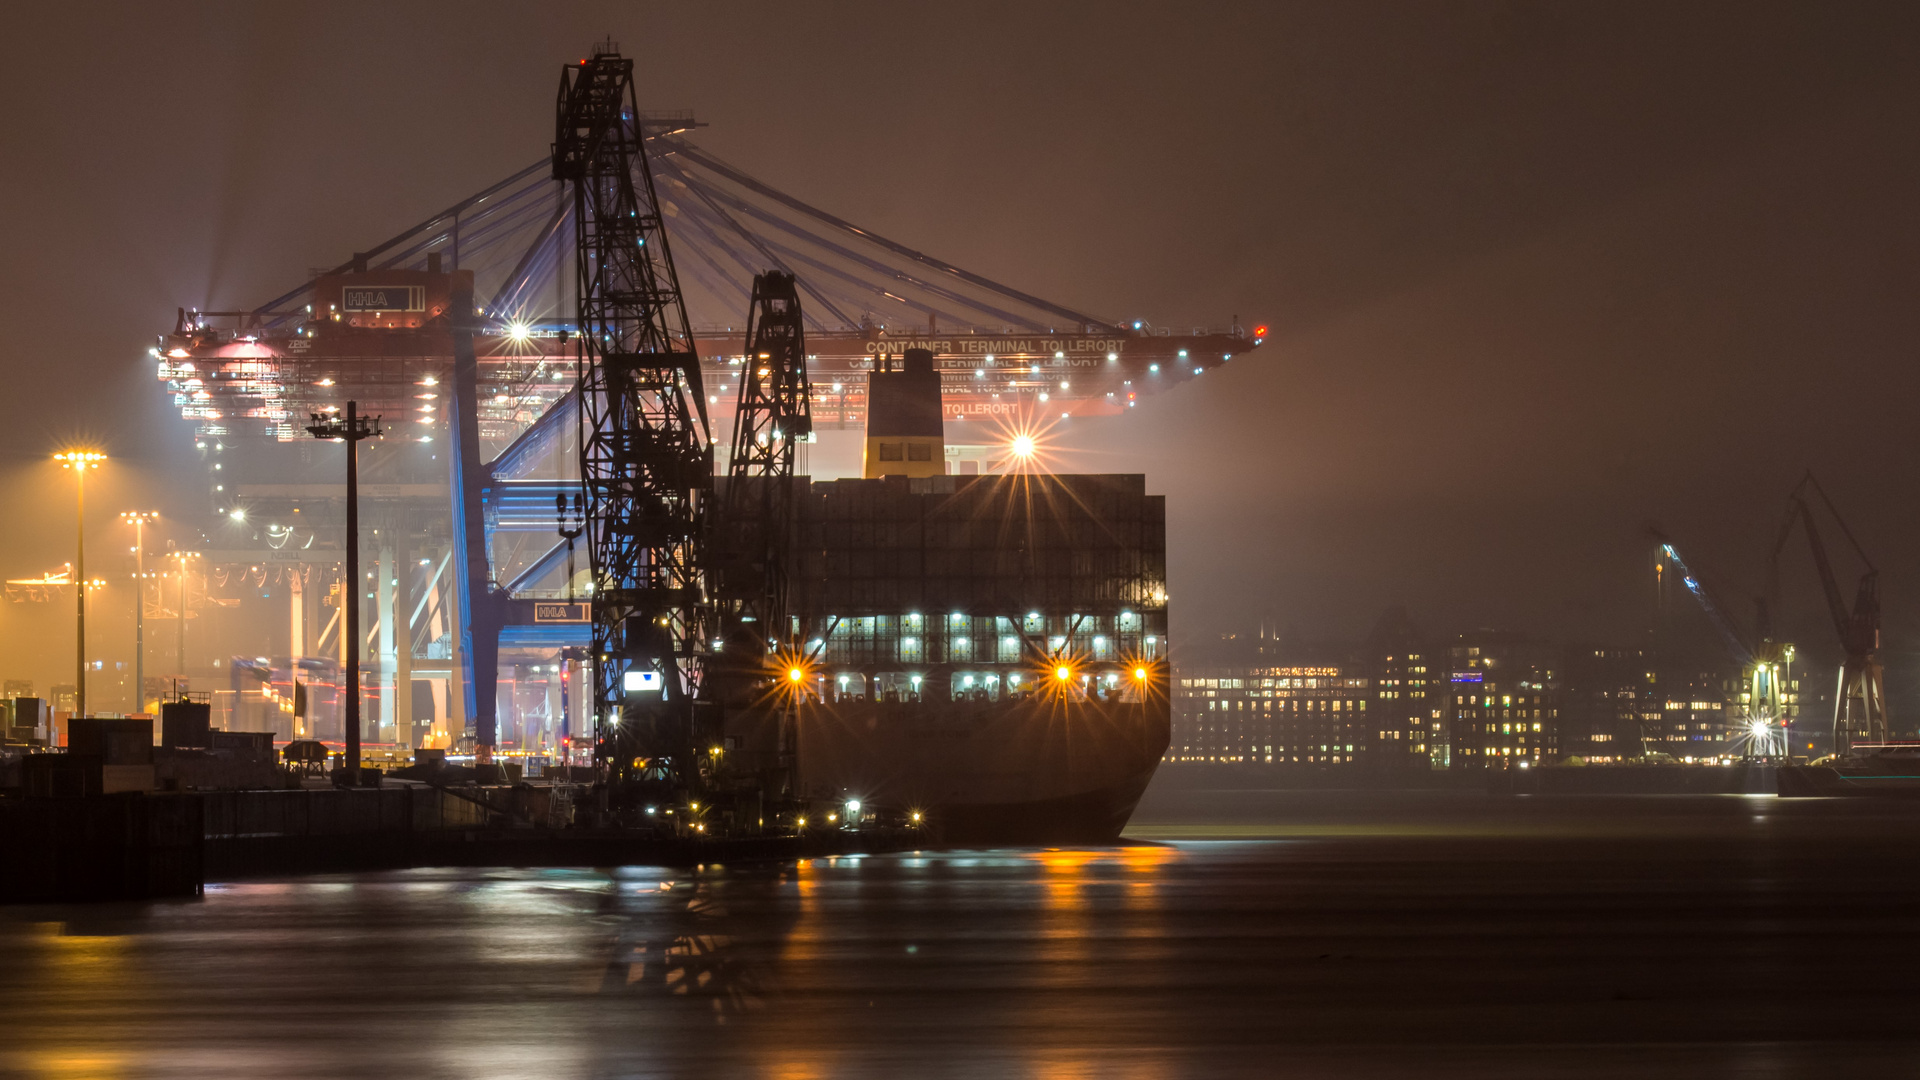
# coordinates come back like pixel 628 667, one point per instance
pixel 1470 939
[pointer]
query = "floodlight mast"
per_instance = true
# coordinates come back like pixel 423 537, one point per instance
pixel 139 519
pixel 646 457
pixel 80 461
pixel 349 429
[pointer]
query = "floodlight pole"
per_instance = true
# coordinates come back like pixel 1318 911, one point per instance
pixel 80 461
pixel 181 639
pixel 80 587
pixel 350 431
pixel 139 521
pixel 139 614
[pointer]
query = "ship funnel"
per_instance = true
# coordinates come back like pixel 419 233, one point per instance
pixel 905 436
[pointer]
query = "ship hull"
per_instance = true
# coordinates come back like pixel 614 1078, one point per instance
pixel 1092 817
pixel 1037 770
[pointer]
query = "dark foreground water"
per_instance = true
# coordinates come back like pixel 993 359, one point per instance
pixel 1300 934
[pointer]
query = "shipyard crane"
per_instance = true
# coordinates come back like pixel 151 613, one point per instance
pixel 773 419
pixel 758 669
pixel 645 453
pixel 1860 704
pixel 1765 707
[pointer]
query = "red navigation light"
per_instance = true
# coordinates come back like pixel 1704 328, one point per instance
pixel 1259 331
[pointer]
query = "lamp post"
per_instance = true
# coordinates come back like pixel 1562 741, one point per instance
pixel 80 461
pixel 350 430
pixel 139 520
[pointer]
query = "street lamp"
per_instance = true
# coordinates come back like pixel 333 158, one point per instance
pixel 139 519
pixel 80 461
pixel 350 430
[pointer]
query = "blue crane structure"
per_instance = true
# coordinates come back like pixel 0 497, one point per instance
pixel 547 345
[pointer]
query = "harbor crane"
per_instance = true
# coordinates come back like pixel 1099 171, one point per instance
pixel 758 665
pixel 689 597
pixel 1860 701
pixel 646 459
pixel 1766 703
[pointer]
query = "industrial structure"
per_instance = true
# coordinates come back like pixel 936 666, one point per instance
pixel 1860 698
pixel 561 355
pixel 1763 704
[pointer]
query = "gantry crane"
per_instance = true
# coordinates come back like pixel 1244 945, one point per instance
pixel 1860 703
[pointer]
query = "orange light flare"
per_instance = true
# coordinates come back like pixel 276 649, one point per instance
pixel 1140 676
pixel 1025 446
pixel 79 460
pixel 793 673
pixel 1061 676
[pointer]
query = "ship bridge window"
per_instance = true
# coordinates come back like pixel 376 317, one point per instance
pixel 916 452
pixel 889 451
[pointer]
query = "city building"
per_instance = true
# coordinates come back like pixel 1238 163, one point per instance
pixel 1608 697
pixel 1270 714
pixel 1406 711
pixel 1487 700
pixel 1696 716
pixel 1504 707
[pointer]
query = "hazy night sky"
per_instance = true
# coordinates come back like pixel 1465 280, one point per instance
pixel 1539 273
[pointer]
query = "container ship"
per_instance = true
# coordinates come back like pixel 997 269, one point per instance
pixel 984 655
pixel 991 651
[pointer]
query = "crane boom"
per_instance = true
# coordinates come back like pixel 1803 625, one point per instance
pixel 1737 644
pixel 1798 512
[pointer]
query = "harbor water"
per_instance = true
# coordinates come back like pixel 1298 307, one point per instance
pixel 1298 934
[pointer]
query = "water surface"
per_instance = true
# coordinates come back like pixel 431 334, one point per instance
pixel 1300 934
